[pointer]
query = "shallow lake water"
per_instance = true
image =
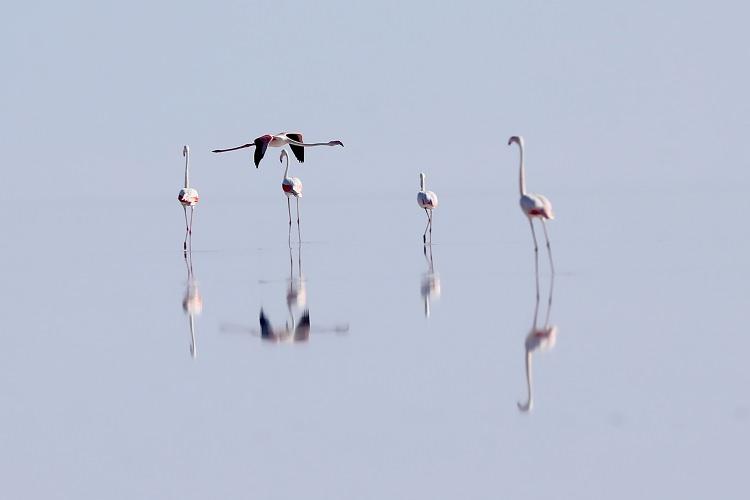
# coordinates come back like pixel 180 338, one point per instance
pixel 411 380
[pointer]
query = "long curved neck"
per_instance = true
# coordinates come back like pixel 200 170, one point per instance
pixel 286 170
pixel 186 154
pixel 421 182
pixel 529 402
pixel 521 173
pixel 307 144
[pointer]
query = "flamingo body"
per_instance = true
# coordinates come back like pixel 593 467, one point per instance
pixel 536 205
pixel 188 197
pixel 292 186
pixel 427 200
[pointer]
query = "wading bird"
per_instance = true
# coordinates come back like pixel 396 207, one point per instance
pixel 429 201
pixel 535 206
pixel 279 141
pixel 292 186
pixel 188 197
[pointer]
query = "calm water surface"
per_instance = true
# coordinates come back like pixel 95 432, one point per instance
pixel 410 380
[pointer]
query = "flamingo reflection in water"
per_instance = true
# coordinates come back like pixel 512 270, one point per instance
pixel 192 302
pixel 540 338
pixel 297 328
pixel 430 288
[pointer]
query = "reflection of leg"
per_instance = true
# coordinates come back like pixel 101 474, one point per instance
pixel 536 258
pixel 424 235
pixel 187 228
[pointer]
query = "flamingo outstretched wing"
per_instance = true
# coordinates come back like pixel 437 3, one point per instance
pixel 298 151
pixel 261 144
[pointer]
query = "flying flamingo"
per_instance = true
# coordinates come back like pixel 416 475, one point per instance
pixel 279 141
pixel 292 186
pixel 429 201
pixel 188 197
pixel 535 206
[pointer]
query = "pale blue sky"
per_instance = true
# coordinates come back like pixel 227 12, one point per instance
pixel 99 97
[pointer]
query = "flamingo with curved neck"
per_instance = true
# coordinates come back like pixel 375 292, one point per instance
pixel 292 186
pixel 428 201
pixel 534 206
pixel 188 198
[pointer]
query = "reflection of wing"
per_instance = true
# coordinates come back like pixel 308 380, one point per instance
pixel 266 332
pixel 298 151
pixel 302 332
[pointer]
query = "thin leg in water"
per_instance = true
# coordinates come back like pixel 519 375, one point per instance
pixel 299 234
pixel 430 215
pixel 289 211
pixel 536 258
pixel 190 230
pixel 424 236
pixel 549 249
pixel 187 229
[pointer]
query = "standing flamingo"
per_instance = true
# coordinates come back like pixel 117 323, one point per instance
pixel 429 201
pixel 188 197
pixel 534 206
pixel 292 186
pixel 279 141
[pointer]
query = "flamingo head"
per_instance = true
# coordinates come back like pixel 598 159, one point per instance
pixel 185 150
pixel 283 155
pixel 517 139
pixel 336 143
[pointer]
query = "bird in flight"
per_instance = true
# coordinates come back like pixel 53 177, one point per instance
pixel 293 139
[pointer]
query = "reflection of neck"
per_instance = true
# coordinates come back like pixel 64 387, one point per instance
pixel 193 349
pixel 528 404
